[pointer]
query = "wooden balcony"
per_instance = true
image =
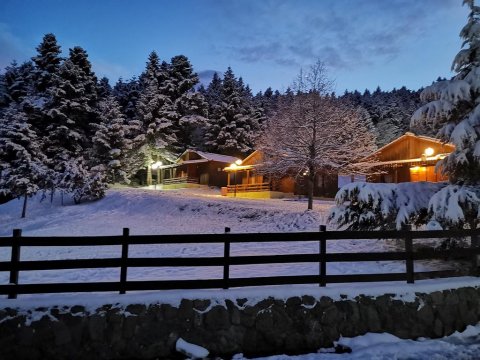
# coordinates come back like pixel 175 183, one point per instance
pixel 180 180
pixel 248 187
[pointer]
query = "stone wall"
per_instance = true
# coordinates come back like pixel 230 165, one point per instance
pixel 292 326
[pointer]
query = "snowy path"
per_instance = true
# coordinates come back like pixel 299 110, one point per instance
pixel 176 212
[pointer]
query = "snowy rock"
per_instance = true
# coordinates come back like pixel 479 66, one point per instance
pixel 191 350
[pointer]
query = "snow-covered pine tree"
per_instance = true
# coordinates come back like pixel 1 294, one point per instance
pixel 231 127
pixel 71 111
pixel 267 101
pixel 3 93
pixel 155 109
pixel 127 94
pixel 22 162
pixel 213 93
pixel 80 181
pixel 104 89
pixel 110 142
pixel 47 62
pixel 17 81
pixel 190 108
pixel 454 106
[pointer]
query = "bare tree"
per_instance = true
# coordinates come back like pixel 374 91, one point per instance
pixel 313 133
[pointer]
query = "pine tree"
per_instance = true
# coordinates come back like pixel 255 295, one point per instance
pixel 155 109
pixel 454 106
pixel 127 94
pixel 17 81
pixel 22 163
pixel 3 94
pixel 47 62
pixel 232 126
pixel 111 143
pixel 71 112
pixel 104 89
pixel 189 107
pixel 213 93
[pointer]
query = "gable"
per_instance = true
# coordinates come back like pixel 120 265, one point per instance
pixel 411 146
pixel 253 159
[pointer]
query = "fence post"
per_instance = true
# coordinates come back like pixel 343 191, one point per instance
pixel 123 262
pixel 15 259
pixel 409 254
pixel 323 252
pixel 226 259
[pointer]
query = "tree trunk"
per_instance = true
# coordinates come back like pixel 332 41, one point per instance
pixel 311 179
pixel 24 210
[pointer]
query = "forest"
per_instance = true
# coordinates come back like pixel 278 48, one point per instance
pixel 63 129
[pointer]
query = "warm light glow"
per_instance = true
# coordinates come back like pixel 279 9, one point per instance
pixel 156 165
pixel 429 151
pixel 238 162
pixel 415 168
pixel 233 166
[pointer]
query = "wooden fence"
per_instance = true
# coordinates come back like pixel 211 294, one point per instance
pixel 124 262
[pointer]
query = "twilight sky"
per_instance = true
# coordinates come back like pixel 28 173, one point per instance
pixel 365 43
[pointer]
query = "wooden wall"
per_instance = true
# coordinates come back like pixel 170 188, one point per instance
pixel 411 147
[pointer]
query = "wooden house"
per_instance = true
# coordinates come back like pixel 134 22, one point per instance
pixel 195 168
pixel 244 181
pixel 409 158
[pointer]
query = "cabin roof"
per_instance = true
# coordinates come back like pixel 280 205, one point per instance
pixel 208 157
pixel 404 138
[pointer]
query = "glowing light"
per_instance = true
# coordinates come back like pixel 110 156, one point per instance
pixel 429 151
pixel 238 162
pixel 415 168
pixel 233 166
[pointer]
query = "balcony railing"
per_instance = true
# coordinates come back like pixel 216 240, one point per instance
pixel 180 180
pixel 248 187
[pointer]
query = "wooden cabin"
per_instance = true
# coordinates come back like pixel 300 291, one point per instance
pixel 409 158
pixel 195 168
pixel 244 181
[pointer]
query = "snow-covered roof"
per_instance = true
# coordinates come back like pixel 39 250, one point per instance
pixel 193 161
pixel 210 157
pixel 217 157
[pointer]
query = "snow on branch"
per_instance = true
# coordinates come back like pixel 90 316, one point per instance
pixel 456 206
pixel 369 206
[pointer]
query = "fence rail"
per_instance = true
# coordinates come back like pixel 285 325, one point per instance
pixel 180 180
pixel 248 187
pixel 124 262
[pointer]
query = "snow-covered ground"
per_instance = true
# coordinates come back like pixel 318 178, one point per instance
pixel 458 346
pixel 146 211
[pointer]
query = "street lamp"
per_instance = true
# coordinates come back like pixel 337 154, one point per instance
pixel 234 167
pixel 156 166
